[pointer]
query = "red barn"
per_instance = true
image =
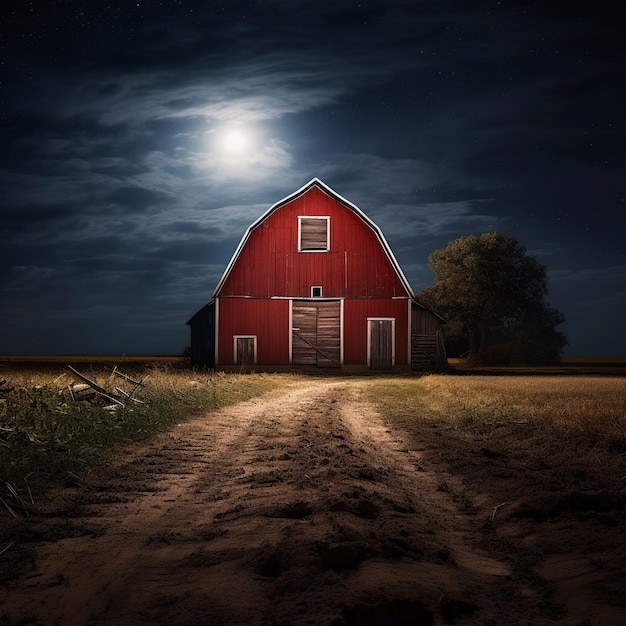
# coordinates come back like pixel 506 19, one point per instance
pixel 314 283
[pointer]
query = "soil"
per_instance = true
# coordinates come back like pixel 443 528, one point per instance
pixel 305 506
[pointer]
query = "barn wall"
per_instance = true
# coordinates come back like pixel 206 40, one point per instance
pixel 270 265
pixel 267 319
pixel 424 321
pixel 356 313
pixel 202 326
pixel 428 350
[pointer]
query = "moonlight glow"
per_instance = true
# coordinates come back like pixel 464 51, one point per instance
pixel 235 141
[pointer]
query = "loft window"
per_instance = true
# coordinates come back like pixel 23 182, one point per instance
pixel 313 234
pixel 316 292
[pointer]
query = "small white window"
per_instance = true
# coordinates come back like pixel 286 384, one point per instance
pixel 316 292
pixel 313 234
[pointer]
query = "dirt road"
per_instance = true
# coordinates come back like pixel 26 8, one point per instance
pixel 299 507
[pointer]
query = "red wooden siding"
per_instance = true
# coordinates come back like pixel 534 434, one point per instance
pixel 267 319
pixel 356 313
pixel 270 265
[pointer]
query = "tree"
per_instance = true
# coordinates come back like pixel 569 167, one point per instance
pixel 487 285
pixel 535 333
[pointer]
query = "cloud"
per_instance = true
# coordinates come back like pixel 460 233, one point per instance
pixel 134 198
pixel 264 68
pixel 393 192
pixel 263 87
pixel 617 272
pixel 588 293
pixel 252 167
pixel 437 219
pixel 593 300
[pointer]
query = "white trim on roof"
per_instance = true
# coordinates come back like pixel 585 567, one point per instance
pixel 316 182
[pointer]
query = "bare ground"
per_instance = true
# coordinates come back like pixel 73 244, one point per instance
pixel 305 507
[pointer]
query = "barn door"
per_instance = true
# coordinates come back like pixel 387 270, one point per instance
pixel 381 343
pixel 245 350
pixel 316 339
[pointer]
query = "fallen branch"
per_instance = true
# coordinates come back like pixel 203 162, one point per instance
pixel 16 495
pixel 496 509
pixel 129 396
pixel 77 480
pixel 128 378
pixel 9 509
pixel 96 387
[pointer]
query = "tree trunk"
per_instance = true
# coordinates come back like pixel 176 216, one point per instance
pixel 475 342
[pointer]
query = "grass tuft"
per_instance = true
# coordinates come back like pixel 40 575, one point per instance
pixel 47 430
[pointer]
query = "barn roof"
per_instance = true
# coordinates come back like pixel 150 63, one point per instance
pixel 316 182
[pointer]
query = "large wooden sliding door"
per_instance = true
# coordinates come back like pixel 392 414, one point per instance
pixel 316 333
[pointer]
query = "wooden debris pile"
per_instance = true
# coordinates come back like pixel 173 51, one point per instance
pixel 88 389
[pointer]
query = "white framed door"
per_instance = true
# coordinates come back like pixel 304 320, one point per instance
pixel 381 341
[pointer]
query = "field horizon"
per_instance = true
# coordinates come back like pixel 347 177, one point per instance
pixel 566 360
pixel 576 366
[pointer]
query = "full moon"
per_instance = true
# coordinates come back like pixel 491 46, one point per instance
pixel 235 142
pixel 232 144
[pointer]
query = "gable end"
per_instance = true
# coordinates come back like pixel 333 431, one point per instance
pixel 314 233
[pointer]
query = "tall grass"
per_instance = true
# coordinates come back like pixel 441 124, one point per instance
pixel 591 410
pixel 46 430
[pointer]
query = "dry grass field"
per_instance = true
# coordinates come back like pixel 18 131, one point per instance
pixel 589 412
pixel 47 430
pixel 283 499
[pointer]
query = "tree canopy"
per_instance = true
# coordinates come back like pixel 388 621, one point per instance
pixel 486 286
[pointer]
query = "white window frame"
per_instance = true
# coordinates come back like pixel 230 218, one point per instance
pixel 235 337
pixel 314 217
pixel 321 293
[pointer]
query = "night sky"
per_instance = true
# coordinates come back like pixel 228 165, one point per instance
pixel 139 139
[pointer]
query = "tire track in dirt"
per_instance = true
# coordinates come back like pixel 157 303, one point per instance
pixel 298 507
